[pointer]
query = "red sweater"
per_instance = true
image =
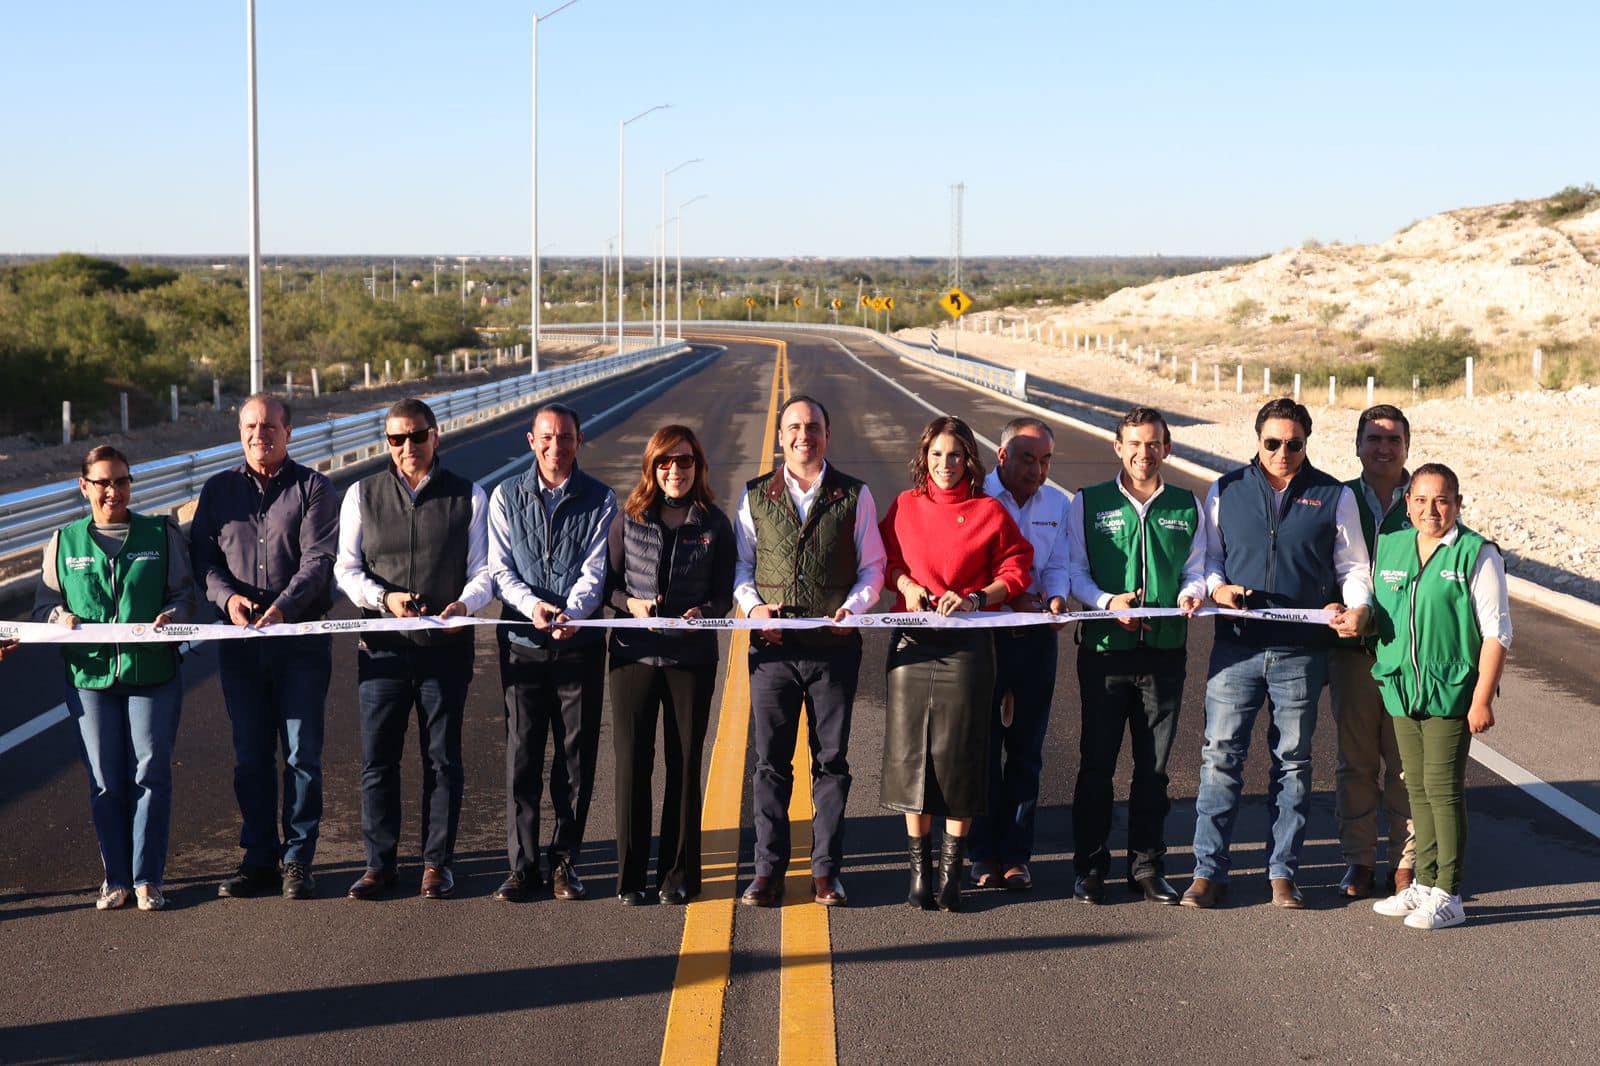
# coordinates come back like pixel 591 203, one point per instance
pixel 951 539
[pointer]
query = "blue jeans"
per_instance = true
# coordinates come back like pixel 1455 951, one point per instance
pixel 275 691
pixel 1025 666
pixel 128 732
pixel 1289 681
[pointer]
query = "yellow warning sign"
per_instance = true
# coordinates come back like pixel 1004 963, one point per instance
pixel 866 301
pixel 797 301
pixel 955 303
pixel 749 301
pixel 888 303
pixel 701 302
pixel 836 303
pixel 877 303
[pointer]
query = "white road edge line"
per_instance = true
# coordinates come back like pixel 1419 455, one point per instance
pixel 33 727
pixel 1552 797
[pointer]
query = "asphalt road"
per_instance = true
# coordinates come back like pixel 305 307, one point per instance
pixel 1017 977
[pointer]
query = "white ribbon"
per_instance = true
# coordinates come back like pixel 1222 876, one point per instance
pixel 176 632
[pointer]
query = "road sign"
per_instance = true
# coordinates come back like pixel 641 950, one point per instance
pixel 701 302
pixel 749 301
pixel 866 301
pixel 955 303
pixel 837 303
pixel 876 303
pixel 797 301
pixel 888 303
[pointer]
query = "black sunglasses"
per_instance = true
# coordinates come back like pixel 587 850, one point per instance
pixel 682 462
pixel 416 436
pixel 1294 445
pixel 110 482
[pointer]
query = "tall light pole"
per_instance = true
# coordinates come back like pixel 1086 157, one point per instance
pixel 662 288
pixel 533 236
pixel 681 206
pixel 622 129
pixel 256 369
pixel 605 277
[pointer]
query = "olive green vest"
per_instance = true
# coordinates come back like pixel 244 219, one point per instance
pixel 1371 529
pixel 808 567
pixel 1428 638
pixel 1127 552
pixel 130 586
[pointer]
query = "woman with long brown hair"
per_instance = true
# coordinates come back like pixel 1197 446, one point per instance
pixel 950 548
pixel 672 554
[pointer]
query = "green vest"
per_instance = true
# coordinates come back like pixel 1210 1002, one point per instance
pixel 1127 552
pixel 808 567
pixel 130 586
pixel 1428 638
pixel 1395 520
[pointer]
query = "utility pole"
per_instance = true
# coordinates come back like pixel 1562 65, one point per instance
pixel 256 368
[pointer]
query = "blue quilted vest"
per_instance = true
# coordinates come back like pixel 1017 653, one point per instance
pixel 547 551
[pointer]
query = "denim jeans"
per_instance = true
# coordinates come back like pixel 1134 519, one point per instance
pixel 128 732
pixel 1289 681
pixel 275 691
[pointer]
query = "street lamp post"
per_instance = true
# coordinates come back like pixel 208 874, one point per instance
pixel 533 241
pixel 622 128
pixel 256 368
pixel 681 206
pixel 662 287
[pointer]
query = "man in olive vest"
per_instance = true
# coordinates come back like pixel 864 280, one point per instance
pixel 808 545
pixel 1369 763
pixel 1135 542
pixel 1279 534
pixel 547 549
pixel 413 541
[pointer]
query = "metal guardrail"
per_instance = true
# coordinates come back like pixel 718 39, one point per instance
pixel 28 517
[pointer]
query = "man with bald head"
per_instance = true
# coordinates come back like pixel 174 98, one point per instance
pixel 263 542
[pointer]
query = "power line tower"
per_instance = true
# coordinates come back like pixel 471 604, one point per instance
pixel 958 193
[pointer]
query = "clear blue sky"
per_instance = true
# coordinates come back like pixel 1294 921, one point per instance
pixel 827 128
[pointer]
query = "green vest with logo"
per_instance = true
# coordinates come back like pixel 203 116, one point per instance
pixel 1127 552
pixel 130 586
pixel 809 567
pixel 1371 529
pixel 1428 638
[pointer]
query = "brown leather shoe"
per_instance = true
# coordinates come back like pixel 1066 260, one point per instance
pixel 1403 877
pixel 1357 882
pixel 829 891
pixel 763 892
pixel 1286 894
pixel 373 884
pixel 1204 893
pixel 438 882
pixel 565 882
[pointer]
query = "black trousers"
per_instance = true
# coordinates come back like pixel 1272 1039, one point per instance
pixel 681 696
pixel 433 680
pixel 557 696
pixel 781 679
pixel 1025 666
pixel 1139 691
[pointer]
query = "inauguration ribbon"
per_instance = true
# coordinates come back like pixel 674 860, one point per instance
pixel 177 632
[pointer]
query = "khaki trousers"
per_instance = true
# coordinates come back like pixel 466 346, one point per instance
pixel 1369 772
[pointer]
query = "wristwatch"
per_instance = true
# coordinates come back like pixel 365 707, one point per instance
pixel 981 597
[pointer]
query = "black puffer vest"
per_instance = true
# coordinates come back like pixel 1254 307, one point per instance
pixel 686 576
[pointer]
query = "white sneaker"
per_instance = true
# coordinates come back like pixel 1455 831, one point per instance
pixel 1441 912
pixel 150 897
pixel 1403 903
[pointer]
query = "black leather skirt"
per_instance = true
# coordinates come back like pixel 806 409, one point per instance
pixel 936 739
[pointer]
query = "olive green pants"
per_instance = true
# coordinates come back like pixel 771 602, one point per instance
pixel 1433 752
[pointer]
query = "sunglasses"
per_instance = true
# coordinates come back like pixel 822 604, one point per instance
pixel 682 462
pixel 122 482
pixel 1294 445
pixel 418 437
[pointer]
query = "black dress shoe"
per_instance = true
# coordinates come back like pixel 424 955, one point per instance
pixel 565 882
pixel 516 888
pixel 250 881
pixel 297 881
pixel 373 884
pixel 764 891
pixel 674 897
pixel 633 899
pixel 1090 888
pixel 1154 888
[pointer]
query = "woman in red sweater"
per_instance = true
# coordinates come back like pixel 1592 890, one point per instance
pixel 950 549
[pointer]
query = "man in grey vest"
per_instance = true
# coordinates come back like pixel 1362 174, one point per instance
pixel 263 542
pixel 1136 542
pixel 1368 772
pixel 413 541
pixel 808 543
pixel 547 550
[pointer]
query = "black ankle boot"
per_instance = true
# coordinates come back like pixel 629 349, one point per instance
pixel 920 851
pixel 948 891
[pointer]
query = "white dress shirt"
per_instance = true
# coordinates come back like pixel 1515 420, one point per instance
pixel 1042 518
pixel 1490 600
pixel 1084 588
pixel 1352 565
pixel 870 557
pixel 352 578
pixel 583 598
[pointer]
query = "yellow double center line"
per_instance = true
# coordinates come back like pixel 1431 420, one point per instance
pixel 806 1031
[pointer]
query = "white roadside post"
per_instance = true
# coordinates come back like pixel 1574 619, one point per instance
pixel 1238 378
pixel 316 383
pixel 366 375
pixel 122 407
pixel 1194 372
pixel 66 421
pixel 1370 383
pixel 1297 388
pixel 174 403
pixel 1469 377
pixel 1538 366
pixel 1266 381
pixel 1333 390
pixel 216 395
